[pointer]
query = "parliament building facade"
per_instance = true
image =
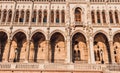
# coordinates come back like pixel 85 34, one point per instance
pixel 59 36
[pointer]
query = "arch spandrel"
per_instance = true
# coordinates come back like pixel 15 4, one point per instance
pixel 38 30
pixel 19 30
pixel 103 32
pixel 59 31
pixel 79 31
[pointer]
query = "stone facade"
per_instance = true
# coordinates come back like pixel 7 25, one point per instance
pixel 76 35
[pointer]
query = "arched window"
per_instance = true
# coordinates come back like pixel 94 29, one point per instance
pixel 98 17
pixel 45 16
pixel 39 16
pixel 52 16
pixel 78 14
pixel 27 15
pixel 93 16
pixel 34 16
pixel 111 17
pixel 9 16
pixel 63 16
pixel 16 16
pixel 4 16
pixel 116 17
pixel 104 17
pixel 57 16
pixel 22 16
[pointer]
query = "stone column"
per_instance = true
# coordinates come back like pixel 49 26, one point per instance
pixel 114 21
pixel 69 51
pixel 48 46
pixel 47 52
pixel 92 56
pixel 112 51
pixel 27 51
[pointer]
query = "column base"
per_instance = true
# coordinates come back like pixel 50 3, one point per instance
pixel 25 61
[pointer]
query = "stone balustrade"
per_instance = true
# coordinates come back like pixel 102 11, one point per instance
pixel 51 66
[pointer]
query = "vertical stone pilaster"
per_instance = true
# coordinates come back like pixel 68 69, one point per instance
pixel 68 31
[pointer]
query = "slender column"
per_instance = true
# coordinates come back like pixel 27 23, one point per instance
pixel 25 12
pixel 42 17
pixel 114 21
pixel 95 17
pixel 69 51
pixel 28 46
pixel 2 11
pixel 7 17
pixel 27 51
pixel 101 19
pixel 9 43
pixel 112 51
pixel 54 17
pixel 60 17
pixel 36 17
pixel 92 57
pixel 47 53
pixel 107 14
pixel 48 47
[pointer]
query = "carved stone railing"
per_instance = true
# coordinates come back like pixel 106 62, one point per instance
pixel 114 67
pixel 50 66
pixel 77 0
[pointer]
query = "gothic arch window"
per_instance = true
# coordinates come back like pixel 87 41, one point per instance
pixel 78 14
pixel 4 16
pixel 52 16
pixel 116 17
pixel 16 16
pixel 93 16
pixel 27 15
pixel 57 16
pixel 34 16
pixel 111 16
pixel 45 16
pixel 39 16
pixel 63 16
pixel 98 17
pixel 10 16
pixel 103 16
pixel 22 16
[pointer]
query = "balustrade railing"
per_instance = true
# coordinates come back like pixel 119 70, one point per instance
pixel 51 66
